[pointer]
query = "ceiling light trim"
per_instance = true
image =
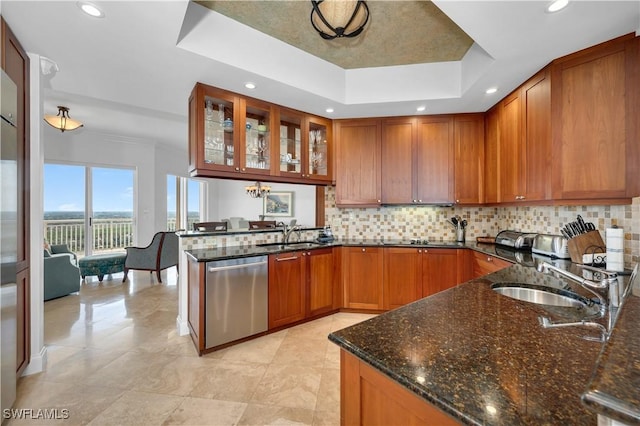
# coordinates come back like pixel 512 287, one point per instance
pixel 90 9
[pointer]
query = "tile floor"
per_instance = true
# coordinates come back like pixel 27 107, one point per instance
pixel 114 357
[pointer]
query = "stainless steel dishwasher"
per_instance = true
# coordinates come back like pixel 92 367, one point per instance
pixel 236 299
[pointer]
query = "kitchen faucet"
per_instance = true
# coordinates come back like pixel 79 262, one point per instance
pixel 286 231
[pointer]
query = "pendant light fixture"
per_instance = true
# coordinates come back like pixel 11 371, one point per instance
pixel 62 121
pixel 257 190
pixel 339 18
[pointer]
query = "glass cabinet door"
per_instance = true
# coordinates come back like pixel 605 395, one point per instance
pixel 317 150
pixel 290 143
pixel 257 145
pixel 218 132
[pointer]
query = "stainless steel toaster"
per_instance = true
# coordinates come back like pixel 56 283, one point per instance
pixel 515 239
pixel 551 245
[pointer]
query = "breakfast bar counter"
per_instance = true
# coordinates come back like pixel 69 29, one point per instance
pixel 480 357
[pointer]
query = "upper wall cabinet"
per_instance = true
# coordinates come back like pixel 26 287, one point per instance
pixel 358 152
pixel 237 137
pixel 468 133
pixel 595 129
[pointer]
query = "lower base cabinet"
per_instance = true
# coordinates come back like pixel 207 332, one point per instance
pixel 362 278
pixel 301 285
pixel 368 397
pixel 484 264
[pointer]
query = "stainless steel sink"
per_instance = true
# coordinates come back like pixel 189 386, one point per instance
pixel 542 295
pixel 295 245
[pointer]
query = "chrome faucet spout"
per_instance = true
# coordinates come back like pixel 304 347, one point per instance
pixel 287 231
pixel 609 283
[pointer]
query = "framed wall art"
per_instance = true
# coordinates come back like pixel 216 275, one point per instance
pixel 278 203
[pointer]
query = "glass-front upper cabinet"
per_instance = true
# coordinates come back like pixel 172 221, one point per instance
pixel 291 142
pixel 318 149
pixel 218 132
pixel 257 137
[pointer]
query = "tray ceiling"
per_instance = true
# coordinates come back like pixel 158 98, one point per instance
pixel 398 32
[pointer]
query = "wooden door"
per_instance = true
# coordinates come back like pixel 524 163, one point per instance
pixel 536 99
pixel 439 270
pixel 319 149
pixel 591 149
pixel 469 158
pixel 491 137
pixel 402 276
pixel 509 146
pixel 398 139
pixel 363 277
pixel 484 264
pixel 358 178
pixel 434 152
pixel 320 280
pixel 287 289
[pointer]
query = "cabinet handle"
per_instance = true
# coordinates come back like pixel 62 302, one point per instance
pixel 457 201
pixel 379 201
pixel 237 169
pixel 244 170
pixel 364 249
pixel 419 251
pixel 308 253
pixel 426 251
pixel 419 201
pixel 489 259
pixel 282 259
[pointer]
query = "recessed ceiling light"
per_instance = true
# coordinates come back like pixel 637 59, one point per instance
pixel 491 90
pixel 250 85
pixel 421 108
pixel 90 9
pixel 557 5
pixel 329 110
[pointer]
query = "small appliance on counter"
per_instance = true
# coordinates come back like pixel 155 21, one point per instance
pixel 555 246
pixel 325 235
pixel 515 239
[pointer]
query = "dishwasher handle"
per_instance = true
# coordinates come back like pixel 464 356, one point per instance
pixel 231 267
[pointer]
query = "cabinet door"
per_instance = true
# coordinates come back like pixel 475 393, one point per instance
pixel 402 276
pixel 509 146
pixel 435 160
pixel 439 270
pixel 536 99
pixel 363 278
pixel 484 264
pixel 255 130
pixel 319 159
pixel 287 293
pixel 320 281
pixel 358 177
pixel 398 140
pixel 591 147
pixel 291 125
pixel 491 136
pixel 469 160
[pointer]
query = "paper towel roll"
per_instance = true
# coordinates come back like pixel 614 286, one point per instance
pixel 615 249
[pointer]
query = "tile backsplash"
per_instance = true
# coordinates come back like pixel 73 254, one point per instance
pixel 429 222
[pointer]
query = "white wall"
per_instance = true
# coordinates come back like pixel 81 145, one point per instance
pixel 227 198
pixel 151 165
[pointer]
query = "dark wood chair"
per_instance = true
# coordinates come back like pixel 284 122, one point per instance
pixel 210 226
pixel 262 224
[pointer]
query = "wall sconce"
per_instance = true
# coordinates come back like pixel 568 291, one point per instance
pixel 62 121
pixel 257 190
pixel 339 18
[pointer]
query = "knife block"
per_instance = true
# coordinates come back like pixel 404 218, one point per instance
pixel 591 242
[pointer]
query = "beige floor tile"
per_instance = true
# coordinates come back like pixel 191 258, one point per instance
pixel 77 367
pixel 289 386
pixel 301 350
pixel 176 377
pixel 332 356
pixel 199 411
pixel 326 418
pixel 260 350
pixel 258 414
pixel 129 370
pixel 226 380
pixel 329 391
pixel 138 408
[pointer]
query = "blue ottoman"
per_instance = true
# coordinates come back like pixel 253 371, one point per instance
pixel 102 264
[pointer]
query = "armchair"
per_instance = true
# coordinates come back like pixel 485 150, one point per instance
pixel 61 273
pixel 161 254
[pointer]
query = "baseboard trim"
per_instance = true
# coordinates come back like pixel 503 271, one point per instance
pixel 37 364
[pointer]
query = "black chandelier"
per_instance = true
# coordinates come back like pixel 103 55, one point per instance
pixel 339 18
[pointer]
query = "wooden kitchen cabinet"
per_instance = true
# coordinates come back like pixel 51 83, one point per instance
pixel 238 137
pixel 413 273
pixel 322 287
pixel 368 397
pixel 491 136
pixel 595 111
pixel 468 131
pixel 524 142
pixel 418 160
pixel 362 277
pixel 484 264
pixel 287 289
pixel 358 163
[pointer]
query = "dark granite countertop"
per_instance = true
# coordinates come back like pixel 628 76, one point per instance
pixel 483 357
